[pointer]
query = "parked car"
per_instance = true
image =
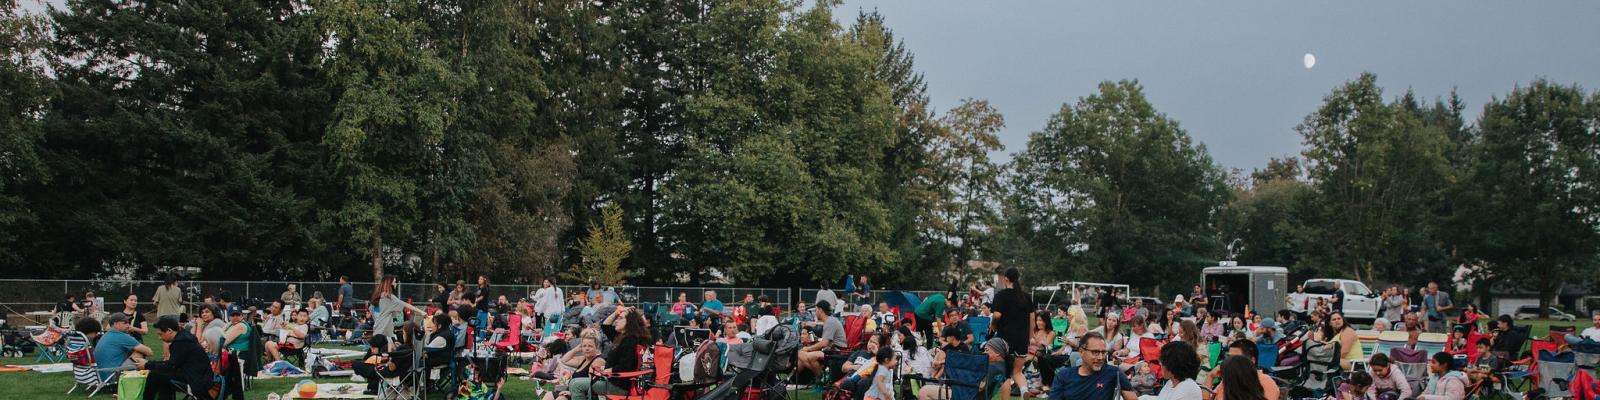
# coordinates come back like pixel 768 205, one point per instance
pixel 1360 302
pixel 1532 312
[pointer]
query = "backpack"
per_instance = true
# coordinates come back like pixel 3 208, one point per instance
pixel 708 363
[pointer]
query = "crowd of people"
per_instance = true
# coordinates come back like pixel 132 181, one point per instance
pixel 1029 349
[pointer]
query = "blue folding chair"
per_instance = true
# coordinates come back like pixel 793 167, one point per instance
pixel 1267 357
pixel 980 329
pixel 966 376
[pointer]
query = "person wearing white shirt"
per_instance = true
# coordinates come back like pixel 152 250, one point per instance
pixel 548 301
pixel 1590 333
pixel 1180 362
pixel 1297 301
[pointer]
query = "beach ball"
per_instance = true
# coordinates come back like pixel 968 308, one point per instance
pixel 306 388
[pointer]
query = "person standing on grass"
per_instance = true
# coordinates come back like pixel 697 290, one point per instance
pixel 136 325
pixel 547 301
pixel 345 304
pixel 390 307
pixel 168 298
pixel 1437 304
pixel 1012 313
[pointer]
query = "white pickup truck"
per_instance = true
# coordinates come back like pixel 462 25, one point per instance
pixel 1360 302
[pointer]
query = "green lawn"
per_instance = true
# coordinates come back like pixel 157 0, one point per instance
pixel 33 385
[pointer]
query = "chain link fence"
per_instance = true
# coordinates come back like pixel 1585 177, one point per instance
pixel 21 296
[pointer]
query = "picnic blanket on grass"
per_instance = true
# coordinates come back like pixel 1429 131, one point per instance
pixel 335 391
pixel 44 368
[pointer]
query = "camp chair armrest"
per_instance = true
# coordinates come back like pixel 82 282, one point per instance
pixel 630 375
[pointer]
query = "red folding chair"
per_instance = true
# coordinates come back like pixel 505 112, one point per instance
pixel 1150 353
pixel 637 380
pixel 854 327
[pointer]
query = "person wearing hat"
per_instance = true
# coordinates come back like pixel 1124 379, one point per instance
pixel 832 339
pixel 235 339
pixel 1269 329
pixel 117 348
pixel 998 351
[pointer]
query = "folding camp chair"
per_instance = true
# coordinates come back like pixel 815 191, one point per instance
pixel 1413 364
pixel 965 376
pixel 1369 343
pixel 640 389
pixel 855 328
pixel 85 373
pixel 219 385
pixel 1150 353
pixel 1586 355
pixel 1320 371
pixel 410 383
pixel 1214 353
pixel 52 344
pixel 1267 358
pixel 1432 342
pixel 1390 340
pixel 980 328
pixel 1555 372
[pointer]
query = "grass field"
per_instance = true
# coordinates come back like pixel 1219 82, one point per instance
pixel 31 385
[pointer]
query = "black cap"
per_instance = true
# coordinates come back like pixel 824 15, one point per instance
pixel 825 306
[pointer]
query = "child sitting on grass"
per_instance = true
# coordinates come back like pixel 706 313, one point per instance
pixel 1355 387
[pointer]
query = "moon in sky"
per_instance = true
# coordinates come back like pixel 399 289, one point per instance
pixel 1311 61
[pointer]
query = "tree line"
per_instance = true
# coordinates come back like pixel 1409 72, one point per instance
pixel 759 142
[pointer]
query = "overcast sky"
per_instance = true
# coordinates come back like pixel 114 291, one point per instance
pixel 1230 71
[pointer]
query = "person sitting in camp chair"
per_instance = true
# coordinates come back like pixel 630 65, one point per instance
pixel 294 337
pixel 117 349
pixel 187 368
pixel 831 339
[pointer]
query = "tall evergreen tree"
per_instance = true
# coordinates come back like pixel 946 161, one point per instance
pixel 189 132
pixel 23 39
pixel 396 100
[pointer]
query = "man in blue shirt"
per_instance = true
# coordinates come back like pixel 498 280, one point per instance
pixel 116 347
pixel 712 310
pixel 712 305
pixel 1092 380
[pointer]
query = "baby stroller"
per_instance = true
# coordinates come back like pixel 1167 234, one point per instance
pixel 52 347
pixel 770 355
pixel 13 342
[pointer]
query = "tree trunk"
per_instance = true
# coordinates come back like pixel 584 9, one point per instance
pixel 377 254
pixel 1548 289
